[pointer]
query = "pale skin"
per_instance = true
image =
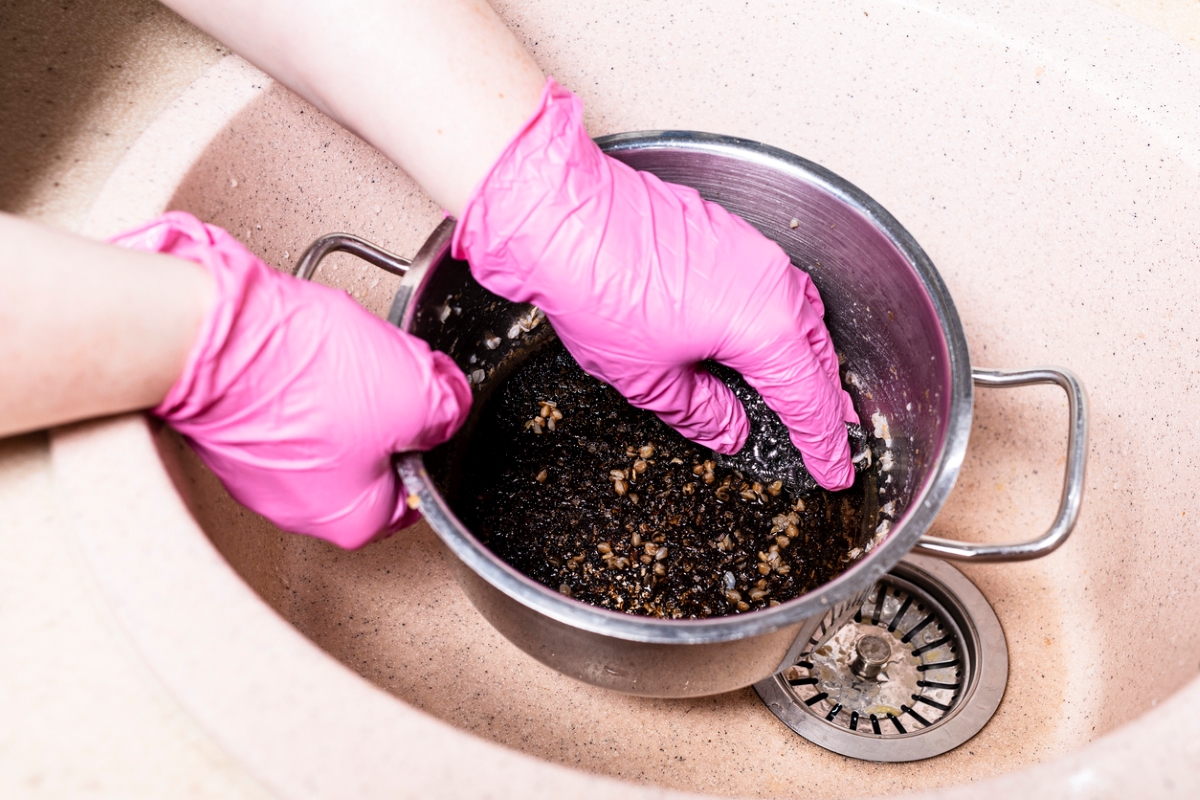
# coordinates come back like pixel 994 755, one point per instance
pixel 89 329
pixel 438 86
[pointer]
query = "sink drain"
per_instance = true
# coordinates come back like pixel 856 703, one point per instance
pixel 918 670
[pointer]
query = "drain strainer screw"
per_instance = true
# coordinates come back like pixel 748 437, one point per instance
pixel 871 654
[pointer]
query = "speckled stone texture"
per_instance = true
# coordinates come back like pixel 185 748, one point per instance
pixel 1047 159
pixel 79 80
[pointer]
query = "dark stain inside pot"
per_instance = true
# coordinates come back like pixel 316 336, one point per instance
pixel 603 502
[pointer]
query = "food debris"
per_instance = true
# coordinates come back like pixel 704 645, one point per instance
pixel 626 514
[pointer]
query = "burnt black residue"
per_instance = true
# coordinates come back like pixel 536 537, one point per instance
pixel 769 454
pixel 614 508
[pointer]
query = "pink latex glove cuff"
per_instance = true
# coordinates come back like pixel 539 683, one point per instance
pixel 297 397
pixel 643 280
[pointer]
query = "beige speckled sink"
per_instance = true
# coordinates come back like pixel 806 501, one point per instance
pixel 1052 178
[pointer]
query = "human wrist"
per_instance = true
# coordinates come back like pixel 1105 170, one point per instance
pixel 506 228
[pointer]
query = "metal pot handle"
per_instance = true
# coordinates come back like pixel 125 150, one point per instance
pixel 354 245
pixel 1072 492
pixel 429 253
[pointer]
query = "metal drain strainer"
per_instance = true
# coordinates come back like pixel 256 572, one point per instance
pixel 919 670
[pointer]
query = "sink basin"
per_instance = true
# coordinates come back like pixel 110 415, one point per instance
pixel 1056 196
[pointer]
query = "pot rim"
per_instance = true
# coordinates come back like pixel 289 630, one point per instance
pixel 905 532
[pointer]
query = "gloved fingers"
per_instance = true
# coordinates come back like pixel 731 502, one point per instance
pixel 795 385
pixel 450 402
pixel 689 399
pixel 445 398
pixel 402 515
pixel 305 429
pixel 821 344
pixel 450 406
pixel 810 292
pixel 398 395
pixel 819 340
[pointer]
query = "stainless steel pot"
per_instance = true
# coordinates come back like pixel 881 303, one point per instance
pixel 891 319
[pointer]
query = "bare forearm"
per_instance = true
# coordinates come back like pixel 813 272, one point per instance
pixel 87 329
pixel 439 86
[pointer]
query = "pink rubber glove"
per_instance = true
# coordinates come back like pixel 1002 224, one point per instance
pixel 296 397
pixel 643 280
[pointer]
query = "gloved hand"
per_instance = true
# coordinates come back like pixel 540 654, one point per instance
pixel 297 397
pixel 643 280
